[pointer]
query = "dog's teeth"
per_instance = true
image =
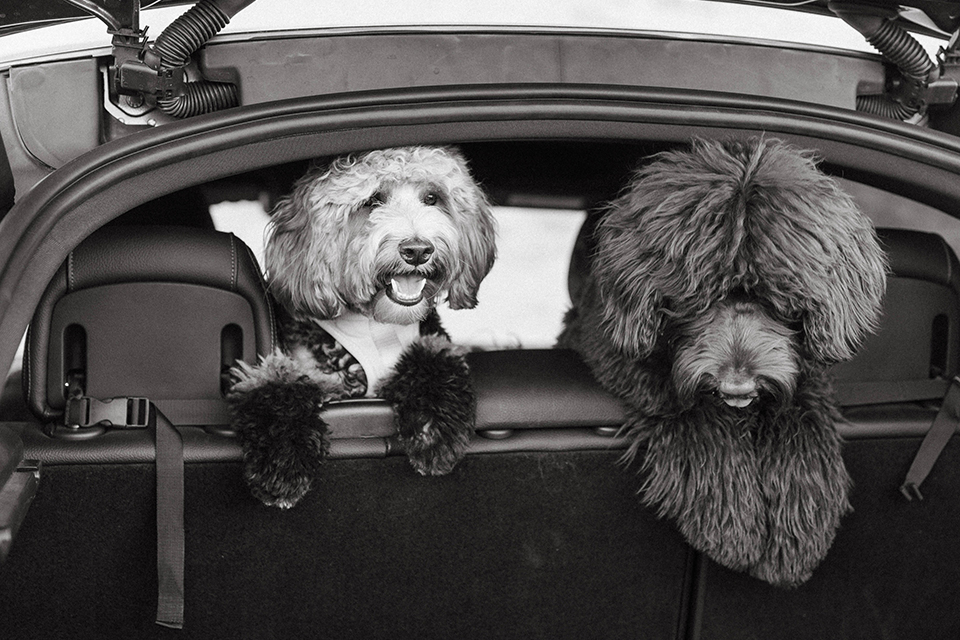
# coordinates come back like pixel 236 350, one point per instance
pixel 408 287
pixel 739 401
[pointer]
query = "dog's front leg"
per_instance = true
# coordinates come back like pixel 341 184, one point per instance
pixel 434 402
pixel 275 408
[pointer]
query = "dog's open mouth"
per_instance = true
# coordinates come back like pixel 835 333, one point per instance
pixel 406 290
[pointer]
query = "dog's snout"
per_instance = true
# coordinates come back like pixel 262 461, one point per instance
pixel 742 386
pixel 415 252
pixel 737 390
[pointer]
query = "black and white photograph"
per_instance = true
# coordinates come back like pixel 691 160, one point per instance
pixel 462 320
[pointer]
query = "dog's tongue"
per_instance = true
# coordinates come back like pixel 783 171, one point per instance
pixel 737 392
pixel 407 289
pixel 739 401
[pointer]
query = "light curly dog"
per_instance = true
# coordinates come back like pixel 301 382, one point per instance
pixel 357 257
pixel 725 280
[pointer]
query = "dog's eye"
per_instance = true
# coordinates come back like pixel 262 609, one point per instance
pixel 375 200
pixel 430 198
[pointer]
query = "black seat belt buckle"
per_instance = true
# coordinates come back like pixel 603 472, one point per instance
pixel 124 413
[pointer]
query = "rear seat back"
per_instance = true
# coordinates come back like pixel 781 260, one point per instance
pixel 916 349
pixel 159 312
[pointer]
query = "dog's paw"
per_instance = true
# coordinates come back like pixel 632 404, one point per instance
pixel 283 438
pixel 433 448
pixel 434 403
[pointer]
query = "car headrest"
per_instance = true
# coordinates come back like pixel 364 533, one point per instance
pixel 148 311
pixel 920 255
pixel 916 349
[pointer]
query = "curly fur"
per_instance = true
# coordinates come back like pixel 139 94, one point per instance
pixel 385 234
pixel 334 240
pixel 725 280
pixel 722 219
pixel 280 462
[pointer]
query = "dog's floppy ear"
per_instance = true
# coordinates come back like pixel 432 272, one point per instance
pixel 303 269
pixel 473 216
pixel 660 253
pixel 846 303
pixel 815 251
pixel 480 253
pixel 632 312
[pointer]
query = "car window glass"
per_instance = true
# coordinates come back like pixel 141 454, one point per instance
pixel 523 300
pixel 246 219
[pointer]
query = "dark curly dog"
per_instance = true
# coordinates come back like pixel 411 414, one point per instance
pixel 725 281
pixel 358 256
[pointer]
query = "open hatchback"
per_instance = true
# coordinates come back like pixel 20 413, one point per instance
pixel 135 180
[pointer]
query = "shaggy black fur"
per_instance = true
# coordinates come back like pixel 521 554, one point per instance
pixel 283 437
pixel 435 406
pixel 761 490
pixel 722 284
pixel 768 482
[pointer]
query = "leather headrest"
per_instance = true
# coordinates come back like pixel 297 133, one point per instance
pixel 146 254
pixel 920 255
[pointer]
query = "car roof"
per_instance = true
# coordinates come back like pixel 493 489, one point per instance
pixel 936 15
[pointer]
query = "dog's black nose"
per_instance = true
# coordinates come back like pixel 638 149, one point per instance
pixel 415 252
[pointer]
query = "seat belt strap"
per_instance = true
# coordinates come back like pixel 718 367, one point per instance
pixel 940 432
pixel 170 534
